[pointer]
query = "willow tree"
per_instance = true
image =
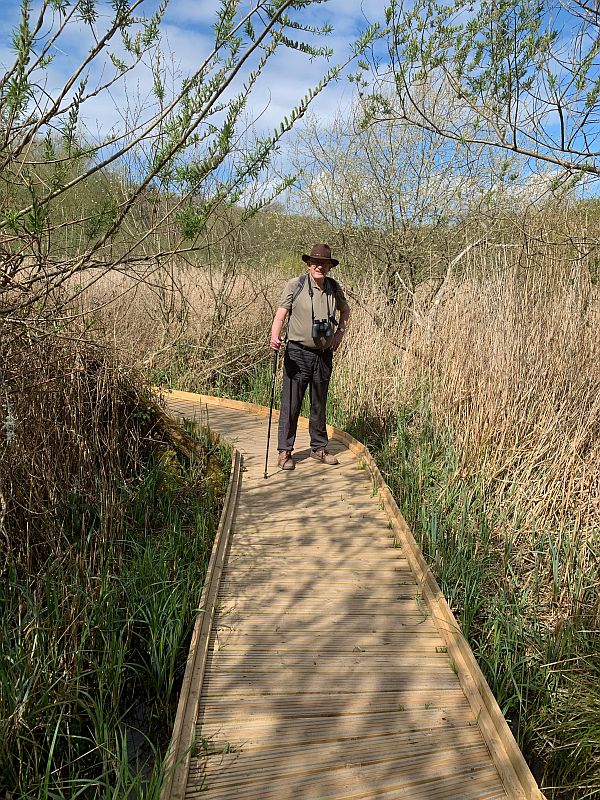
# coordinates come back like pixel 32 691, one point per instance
pixel 524 75
pixel 404 203
pixel 77 204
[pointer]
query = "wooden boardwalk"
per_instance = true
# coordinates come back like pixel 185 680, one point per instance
pixel 325 663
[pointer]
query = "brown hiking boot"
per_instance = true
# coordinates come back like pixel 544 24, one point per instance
pixel 324 456
pixel 285 460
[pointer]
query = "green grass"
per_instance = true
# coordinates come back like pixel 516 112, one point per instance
pixel 544 674
pixel 93 649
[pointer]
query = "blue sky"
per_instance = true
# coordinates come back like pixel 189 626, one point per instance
pixel 187 37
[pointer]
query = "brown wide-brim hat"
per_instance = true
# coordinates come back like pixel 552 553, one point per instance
pixel 320 252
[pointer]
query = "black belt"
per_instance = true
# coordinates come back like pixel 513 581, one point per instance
pixel 310 349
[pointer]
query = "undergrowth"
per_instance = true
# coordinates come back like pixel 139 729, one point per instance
pixel 92 659
pixel 100 591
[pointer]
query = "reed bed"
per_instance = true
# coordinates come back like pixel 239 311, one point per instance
pixel 480 397
pixel 187 327
pixel 489 423
pixel 509 358
pixel 106 533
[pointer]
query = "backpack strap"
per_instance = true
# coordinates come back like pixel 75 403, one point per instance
pixel 299 287
pixel 297 290
pixel 334 284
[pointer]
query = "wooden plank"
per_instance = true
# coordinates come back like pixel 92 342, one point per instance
pixel 321 584
pixel 287 683
pixel 417 702
pixel 331 561
pixel 344 579
pixel 253 734
pixel 345 574
pixel 457 788
pixel 301 641
pixel 275 540
pixel 355 665
pixel 482 786
pixel 449 771
pixel 415 758
pixel 352 625
pixel 417 761
pixel 298 606
pixel 275 732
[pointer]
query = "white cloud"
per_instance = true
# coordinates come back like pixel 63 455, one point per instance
pixel 187 47
pixel 186 13
pixel 187 40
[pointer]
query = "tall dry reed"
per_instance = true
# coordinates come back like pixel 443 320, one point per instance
pixel 509 358
pixel 514 371
pixel 64 404
pixel 194 327
pixel 507 350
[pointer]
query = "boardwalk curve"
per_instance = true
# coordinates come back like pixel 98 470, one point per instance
pixel 325 662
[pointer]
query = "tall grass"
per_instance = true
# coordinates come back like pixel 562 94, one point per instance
pixel 108 531
pixel 486 425
pixel 541 672
pixel 480 398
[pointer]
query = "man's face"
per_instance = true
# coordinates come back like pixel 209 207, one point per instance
pixel 318 269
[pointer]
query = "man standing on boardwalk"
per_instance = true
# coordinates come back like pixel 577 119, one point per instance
pixel 314 334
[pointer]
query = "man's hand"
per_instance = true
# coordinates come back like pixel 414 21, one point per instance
pixel 275 343
pixel 339 334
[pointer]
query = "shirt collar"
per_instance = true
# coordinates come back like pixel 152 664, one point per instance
pixel 315 285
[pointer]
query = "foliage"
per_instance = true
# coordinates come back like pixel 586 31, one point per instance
pixel 71 202
pixel 400 200
pixel 523 76
pixel 106 533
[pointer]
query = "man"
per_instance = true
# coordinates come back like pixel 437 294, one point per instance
pixel 310 302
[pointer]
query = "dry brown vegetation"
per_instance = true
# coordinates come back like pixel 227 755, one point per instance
pixel 509 349
pixel 65 406
pixel 496 360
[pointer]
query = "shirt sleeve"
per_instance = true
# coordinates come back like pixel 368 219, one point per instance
pixel 340 298
pixel 285 301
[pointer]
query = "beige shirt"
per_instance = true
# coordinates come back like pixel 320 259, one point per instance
pixel 301 317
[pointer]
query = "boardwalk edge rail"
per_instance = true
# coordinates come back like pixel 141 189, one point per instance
pixel 514 772
pixel 182 740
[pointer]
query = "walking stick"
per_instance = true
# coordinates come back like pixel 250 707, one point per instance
pixel 275 353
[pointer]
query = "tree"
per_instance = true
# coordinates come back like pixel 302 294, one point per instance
pixel 401 200
pixel 73 204
pixel 524 75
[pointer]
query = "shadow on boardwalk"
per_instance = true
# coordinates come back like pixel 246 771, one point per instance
pixel 326 676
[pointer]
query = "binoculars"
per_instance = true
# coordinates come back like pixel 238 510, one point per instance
pixel 323 328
